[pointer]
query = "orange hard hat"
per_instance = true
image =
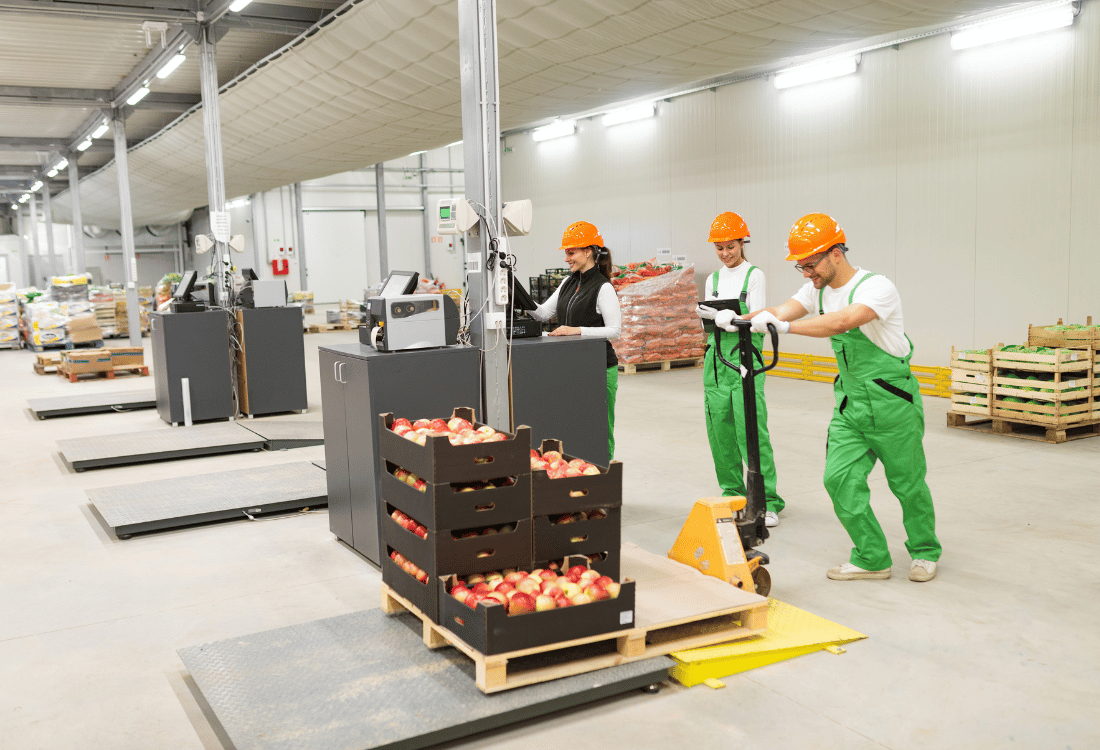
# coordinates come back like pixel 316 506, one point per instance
pixel 728 226
pixel 581 234
pixel 813 234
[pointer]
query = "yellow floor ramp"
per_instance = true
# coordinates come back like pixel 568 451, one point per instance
pixel 791 632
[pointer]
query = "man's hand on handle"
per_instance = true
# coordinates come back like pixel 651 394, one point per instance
pixel 761 319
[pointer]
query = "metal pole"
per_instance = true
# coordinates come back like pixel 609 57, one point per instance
pixel 32 215
pixel 78 221
pixel 24 270
pixel 477 49
pixel 380 205
pixel 126 228
pixel 299 222
pixel 56 269
pixel 215 169
pixel 428 214
pixel 253 207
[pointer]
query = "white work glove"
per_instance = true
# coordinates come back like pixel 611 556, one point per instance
pixel 705 312
pixel 724 320
pixel 760 323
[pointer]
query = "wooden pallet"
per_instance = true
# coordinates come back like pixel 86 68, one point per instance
pixel 553 661
pixel 46 364
pixel 72 377
pixel 327 327
pixel 663 365
pixel 1026 430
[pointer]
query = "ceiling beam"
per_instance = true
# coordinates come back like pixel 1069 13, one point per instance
pixel 9 143
pixel 62 97
pixel 269 18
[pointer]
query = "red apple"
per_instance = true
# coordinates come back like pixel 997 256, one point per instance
pixel 576 570
pixel 422 576
pixel 572 472
pixel 475 578
pixel 544 602
pixel 547 575
pixel 400 422
pixel 497 597
pixel 530 586
pixel 537 465
pixel 581 598
pixel 561 601
pixel 421 485
pixel 480 588
pixel 486 430
pixel 597 592
pixel 590 470
pixel 552 456
pixel 597 514
pixel 472 599
pixel 569 589
pixel 551 588
pixel 504 587
pixel 567 518
pixel 421 532
pixel 515 577
pixel 613 590
pixel 577 463
pixel 399 558
pixel 421 424
pixel 488 530
pixel 393 554
pixel 521 603
pixel 506 529
pixel 535 453
pixel 458 424
pixel 604 581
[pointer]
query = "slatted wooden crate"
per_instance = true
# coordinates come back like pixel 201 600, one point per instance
pixel 972 381
pixel 1077 338
pixel 1056 388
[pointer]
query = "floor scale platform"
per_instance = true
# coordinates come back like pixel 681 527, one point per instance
pixel 185 501
pixel 366 680
pixel 285 434
pixel 91 403
pixel 158 445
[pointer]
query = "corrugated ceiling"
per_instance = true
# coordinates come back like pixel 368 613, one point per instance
pixel 381 80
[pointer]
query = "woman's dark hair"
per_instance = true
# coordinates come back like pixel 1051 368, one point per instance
pixel 602 256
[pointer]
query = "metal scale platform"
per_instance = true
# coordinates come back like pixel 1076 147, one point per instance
pixel 91 403
pixel 187 442
pixel 366 680
pixel 185 501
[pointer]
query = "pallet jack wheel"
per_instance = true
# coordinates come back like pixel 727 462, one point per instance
pixel 652 689
pixel 762 580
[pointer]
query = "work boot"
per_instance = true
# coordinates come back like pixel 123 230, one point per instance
pixel 922 571
pixel 849 572
pixel 771 519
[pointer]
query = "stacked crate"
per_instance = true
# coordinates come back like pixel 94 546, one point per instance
pixel 1059 335
pixel 466 490
pixel 972 381
pixel 577 516
pixel 9 317
pixel 1052 387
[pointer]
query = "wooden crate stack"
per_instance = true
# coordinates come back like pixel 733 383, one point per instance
pixel 972 381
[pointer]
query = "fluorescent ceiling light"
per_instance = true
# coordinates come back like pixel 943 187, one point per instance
pixel 238 5
pixel 62 164
pixel 417 153
pixel 171 65
pixel 630 113
pixel 1010 27
pixel 85 145
pixel 237 202
pixel 138 95
pixel 52 172
pixel 14 207
pixel 98 132
pixel 37 184
pixel 555 130
pixel 456 143
pixel 25 198
pixel 819 71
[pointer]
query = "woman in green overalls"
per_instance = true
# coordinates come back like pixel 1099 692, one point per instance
pixel 878 414
pixel 723 397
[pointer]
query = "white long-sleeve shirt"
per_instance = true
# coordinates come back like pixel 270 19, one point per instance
pixel 607 305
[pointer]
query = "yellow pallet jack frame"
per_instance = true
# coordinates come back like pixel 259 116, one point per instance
pixel 711 543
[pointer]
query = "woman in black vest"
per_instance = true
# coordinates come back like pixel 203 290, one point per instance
pixel 586 303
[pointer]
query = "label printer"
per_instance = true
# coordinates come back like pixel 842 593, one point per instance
pixel 398 320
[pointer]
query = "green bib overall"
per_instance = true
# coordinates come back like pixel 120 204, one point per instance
pixel 725 411
pixel 878 416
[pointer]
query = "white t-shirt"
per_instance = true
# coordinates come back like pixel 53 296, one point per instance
pixel 607 305
pixel 878 293
pixel 732 280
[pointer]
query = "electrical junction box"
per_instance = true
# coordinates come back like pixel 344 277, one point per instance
pixel 455 216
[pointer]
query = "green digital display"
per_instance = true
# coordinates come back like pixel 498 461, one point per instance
pixel 444 212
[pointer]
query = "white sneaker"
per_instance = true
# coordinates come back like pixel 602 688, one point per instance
pixel 922 571
pixel 771 519
pixel 849 572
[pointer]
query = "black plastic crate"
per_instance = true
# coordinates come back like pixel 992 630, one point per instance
pixel 555 540
pixel 423 596
pixel 570 494
pixel 441 506
pixel 608 562
pixel 442 554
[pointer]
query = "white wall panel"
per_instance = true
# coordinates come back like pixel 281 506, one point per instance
pixel 1084 252
pixel 336 255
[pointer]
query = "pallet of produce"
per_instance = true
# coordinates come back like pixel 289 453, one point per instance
pixel 971 381
pixel 1059 335
pixel 1049 386
pixel 1043 359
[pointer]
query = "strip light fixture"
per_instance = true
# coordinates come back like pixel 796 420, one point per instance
pixel 85 145
pixel 1046 18
pixel 812 72
pixel 629 113
pixel 24 198
pixel 168 67
pixel 138 95
pixel 557 129
pixel 52 172
pixel 238 5
pixel 238 202
pixel 98 132
pixel 62 164
pixel 37 184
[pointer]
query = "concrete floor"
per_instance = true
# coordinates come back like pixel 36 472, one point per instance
pixel 1000 651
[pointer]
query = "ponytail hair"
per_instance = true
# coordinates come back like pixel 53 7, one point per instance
pixel 602 256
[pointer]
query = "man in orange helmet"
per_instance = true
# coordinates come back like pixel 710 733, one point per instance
pixel 878 413
pixel 722 389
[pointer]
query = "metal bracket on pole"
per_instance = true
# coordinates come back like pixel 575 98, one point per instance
pixel 215 170
pixel 126 228
pixel 380 204
pixel 78 221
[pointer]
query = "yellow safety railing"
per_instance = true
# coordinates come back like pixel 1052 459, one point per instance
pixel 934 381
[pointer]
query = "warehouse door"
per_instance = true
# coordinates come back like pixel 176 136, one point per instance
pixel 336 255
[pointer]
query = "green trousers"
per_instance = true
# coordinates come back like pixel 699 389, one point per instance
pixel 725 411
pixel 612 389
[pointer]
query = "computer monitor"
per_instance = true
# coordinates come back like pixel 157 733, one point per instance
pixel 186 286
pixel 518 298
pixel 400 282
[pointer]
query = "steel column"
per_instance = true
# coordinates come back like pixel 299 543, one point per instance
pixel 24 268
pixel 300 224
pixel 212 132
pixel 380 205
pixel 428 214
pixel 126 229
pixel 56 268
pixel 254 209
pixel 78 221
pixel 36 259
pixel 477 57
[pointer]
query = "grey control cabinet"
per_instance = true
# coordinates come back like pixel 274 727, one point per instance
pixel 192 347
pixel 271 361
pixel 559 390
pixel 357 384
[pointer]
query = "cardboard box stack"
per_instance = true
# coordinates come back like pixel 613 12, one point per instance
pixel 303 300
pixel 103 305
pixel 83 329
pixel 84 361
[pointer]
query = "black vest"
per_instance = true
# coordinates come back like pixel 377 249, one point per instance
pixel 577 304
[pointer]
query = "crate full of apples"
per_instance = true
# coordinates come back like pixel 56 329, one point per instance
pixel 561 483
pixel 452 505
pixel 458 449
pixel 410 581
pixel 579 533
pixel 510 610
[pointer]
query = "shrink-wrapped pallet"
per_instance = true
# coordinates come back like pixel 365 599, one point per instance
pixel 659 320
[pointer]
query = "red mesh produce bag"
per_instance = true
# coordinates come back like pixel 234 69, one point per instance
pixel 659 320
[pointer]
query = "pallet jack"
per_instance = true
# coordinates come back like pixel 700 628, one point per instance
pixel 720 535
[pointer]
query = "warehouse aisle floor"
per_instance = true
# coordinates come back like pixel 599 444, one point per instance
pixel 999 651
